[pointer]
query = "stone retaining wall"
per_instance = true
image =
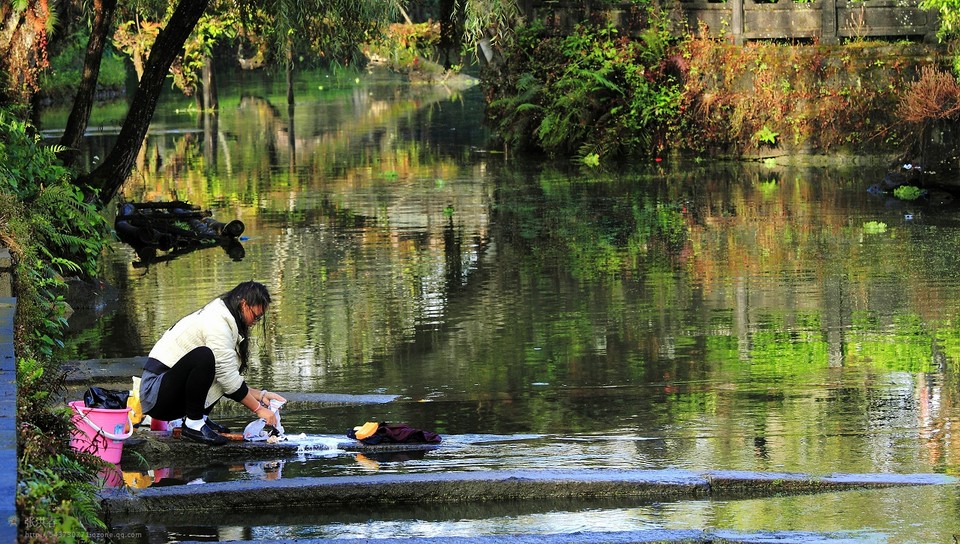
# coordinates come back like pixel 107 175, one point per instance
pixel 826 21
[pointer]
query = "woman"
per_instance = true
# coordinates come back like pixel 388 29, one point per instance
pixel 200 359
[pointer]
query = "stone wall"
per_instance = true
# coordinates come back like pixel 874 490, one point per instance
pixel 824 21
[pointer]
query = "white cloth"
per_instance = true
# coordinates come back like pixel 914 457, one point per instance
pixel 212 326
pixel 256 431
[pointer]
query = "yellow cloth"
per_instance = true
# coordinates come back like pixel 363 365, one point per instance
pixel 366 430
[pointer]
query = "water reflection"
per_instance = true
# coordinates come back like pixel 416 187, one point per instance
pixel 697 315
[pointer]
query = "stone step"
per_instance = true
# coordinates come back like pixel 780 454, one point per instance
pixel 194 503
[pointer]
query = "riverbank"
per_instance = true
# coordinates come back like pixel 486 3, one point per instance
pixel 600 101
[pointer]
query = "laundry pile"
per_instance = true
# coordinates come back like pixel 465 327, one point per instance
pixel 258 430
pixel 373 432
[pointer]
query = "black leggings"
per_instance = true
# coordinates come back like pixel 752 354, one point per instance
pixel 183 388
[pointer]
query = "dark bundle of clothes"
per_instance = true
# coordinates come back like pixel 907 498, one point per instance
pixel 392 433
pixel 109 399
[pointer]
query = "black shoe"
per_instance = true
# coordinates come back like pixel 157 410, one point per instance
pixel 216 426
pixel 205 435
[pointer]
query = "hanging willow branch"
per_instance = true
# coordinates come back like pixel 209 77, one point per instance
pixel 488 20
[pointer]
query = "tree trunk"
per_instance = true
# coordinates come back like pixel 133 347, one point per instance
pixel 83 103
pixel 113 172
pixel 289 72
pixel 448 29
pixel 211 139
pixel 291 140
pixel 211 101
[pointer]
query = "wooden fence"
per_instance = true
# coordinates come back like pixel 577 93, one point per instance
pixel 825 21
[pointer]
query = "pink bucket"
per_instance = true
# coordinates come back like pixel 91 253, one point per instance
pixel 100 431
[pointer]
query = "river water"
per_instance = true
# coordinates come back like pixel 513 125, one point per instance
pixel 691 314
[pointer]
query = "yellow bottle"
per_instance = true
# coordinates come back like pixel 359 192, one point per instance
pixel 133 402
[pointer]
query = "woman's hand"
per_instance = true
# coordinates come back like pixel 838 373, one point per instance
pixel 270 395
pixel 269 417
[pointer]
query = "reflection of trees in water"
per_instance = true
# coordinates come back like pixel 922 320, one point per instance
pixel 766 272
pixel 938 399
pixel 247 148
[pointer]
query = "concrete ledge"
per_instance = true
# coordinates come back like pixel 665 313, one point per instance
pixel 159 448
pixel 91 371
pixel 8 414
pixel 193 503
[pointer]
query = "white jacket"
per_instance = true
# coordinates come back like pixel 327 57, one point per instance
pixel 212 326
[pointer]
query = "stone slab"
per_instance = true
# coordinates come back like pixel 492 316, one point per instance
pixel 685 536
pixel 192 503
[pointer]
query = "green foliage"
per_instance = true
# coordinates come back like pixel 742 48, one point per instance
pixel 949 11
pixel 25 165
pixel 49 231
pixel 410 48
pixel 210 30
pixel 69 229
pixel 908 192
pixel 60 81
pixel 517 113
pixel 874 227
pixel 590 92
pixel 488 21
pixel 949 31
pixel 315 32
pixel 275 32
pixel 766 136
pixel 58 501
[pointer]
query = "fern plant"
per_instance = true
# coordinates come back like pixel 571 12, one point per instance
pixel 515 114
pixel 25 164
pixel 588 92
pixel 70 229
pixel 50 231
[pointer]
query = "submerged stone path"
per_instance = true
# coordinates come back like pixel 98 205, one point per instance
pixel 613 537
pixel 193 503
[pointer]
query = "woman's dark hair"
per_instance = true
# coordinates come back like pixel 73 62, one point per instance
pixel 255 294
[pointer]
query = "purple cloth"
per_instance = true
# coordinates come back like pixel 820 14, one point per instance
pixel 398 433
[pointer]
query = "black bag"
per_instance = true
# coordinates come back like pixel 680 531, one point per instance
pixel 98 397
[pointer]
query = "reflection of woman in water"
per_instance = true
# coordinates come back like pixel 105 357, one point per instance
pixel 200 360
